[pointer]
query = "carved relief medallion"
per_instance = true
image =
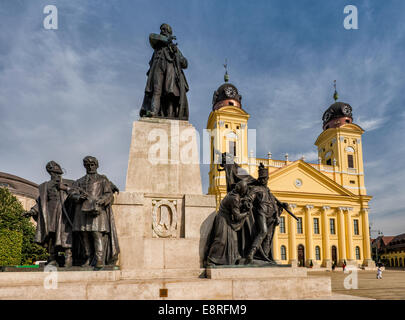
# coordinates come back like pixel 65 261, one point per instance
pixel 164 218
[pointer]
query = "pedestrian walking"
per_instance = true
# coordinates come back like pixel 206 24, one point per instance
pixel 379 272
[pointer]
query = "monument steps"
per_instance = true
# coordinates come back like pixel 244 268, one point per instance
pixel 256 283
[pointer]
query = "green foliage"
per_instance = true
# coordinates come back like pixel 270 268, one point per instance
pixel 12 219
pixel 10 247
pixel 10 211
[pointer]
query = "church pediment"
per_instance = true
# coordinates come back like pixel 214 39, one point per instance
pixel 303 178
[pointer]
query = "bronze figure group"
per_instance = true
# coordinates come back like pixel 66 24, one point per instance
pixel 76 217
pixel 244 227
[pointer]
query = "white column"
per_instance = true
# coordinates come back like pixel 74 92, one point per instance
pixel 326 259
pixel 349 231
pixel 292 228
pixel 366 240
pixel 341 235
pixel 308 236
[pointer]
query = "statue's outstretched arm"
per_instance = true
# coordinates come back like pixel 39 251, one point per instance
pixel 34 212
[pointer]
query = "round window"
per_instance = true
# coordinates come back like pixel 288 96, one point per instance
pixel 298 183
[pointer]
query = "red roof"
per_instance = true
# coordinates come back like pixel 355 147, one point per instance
pixel 387 239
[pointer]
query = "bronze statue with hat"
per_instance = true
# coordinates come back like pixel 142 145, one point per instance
pixel 54 224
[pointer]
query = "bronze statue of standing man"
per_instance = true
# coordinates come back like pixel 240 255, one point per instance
pixel 54 226
pixel 166 87
pixel 93 216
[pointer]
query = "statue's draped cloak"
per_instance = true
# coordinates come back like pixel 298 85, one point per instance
pixel 228 235
pixel 61 225
pixel 99 188
pixel 224 240
pixel 169 64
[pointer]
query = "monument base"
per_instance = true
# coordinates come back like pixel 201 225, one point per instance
pixel 166 284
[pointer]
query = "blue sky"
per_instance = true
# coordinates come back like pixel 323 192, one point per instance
pixel 75 91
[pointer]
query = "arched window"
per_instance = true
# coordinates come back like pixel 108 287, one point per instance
pixel 396 261
pixel 317 253
pixel 316 225
pixel 282 225
pixel 400 262
pixel 356 226
pixel 232 148
pixel 358 253
pixel 392 262
pixel 334 254
pixel 299 225
pixel 283 253
pixel 232 138
pixel 350 161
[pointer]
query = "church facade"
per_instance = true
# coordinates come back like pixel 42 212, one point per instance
pixel 328 197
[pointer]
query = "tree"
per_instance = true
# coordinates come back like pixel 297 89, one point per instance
pixel 12 219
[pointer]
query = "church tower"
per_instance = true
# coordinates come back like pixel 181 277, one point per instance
pixel 227 125
pixel 340 148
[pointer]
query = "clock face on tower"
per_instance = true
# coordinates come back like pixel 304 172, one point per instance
pixel 327 116
pixel 346 110
pixel 230 92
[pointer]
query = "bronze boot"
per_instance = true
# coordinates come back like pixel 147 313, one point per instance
pixel 86 247
pixel 98 248
pixel 250 255
pixel 68 258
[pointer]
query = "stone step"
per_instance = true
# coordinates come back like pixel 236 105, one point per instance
pixel 254 272
pixel 141 274
pixel 37 278
pixel 178 289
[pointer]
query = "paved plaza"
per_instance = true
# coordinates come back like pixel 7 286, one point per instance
pixel 391 286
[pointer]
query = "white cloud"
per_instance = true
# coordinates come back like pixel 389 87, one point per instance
pixel 371 124
pixel 309 156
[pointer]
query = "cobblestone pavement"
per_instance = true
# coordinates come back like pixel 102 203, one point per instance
pixel 391 286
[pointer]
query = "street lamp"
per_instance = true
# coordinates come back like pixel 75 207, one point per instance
pixel 380 234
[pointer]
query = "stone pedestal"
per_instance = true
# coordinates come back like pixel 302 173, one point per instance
pixel 163 158
pixel 148 243
pixel 163 218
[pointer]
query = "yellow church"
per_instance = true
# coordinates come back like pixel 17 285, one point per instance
pixel 329 197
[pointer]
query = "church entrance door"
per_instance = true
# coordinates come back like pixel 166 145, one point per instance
pixel 301 256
